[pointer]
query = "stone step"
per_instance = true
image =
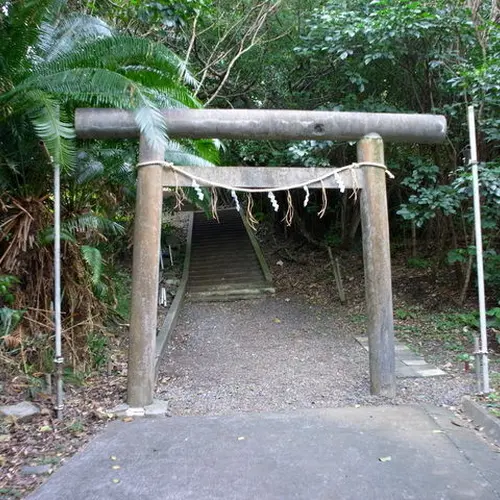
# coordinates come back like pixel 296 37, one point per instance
pixel 224 264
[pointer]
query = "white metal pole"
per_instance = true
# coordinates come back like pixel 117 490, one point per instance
pixel 171 256
pixel 58 359
pixel 479 249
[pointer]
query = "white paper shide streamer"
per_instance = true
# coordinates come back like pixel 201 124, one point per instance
pixel 339 181
pixel 236 201
pixel 198 190
pixel 306 199
pixel 273 200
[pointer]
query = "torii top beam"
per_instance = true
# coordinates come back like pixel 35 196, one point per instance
pixel 268 124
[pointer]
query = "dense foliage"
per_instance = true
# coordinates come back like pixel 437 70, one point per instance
pixel 385 55
pixel 428 57
pixel 395 56
pixel 55 61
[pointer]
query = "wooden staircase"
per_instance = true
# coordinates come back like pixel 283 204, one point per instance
pixel 226 260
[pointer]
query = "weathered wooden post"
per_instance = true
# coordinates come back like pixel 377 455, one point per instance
pixel 377 263
pixel 143 314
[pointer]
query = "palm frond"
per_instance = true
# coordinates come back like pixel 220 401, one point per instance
pixel 19 32
pixel 58 39
pixel 118 166
pixel 152 125
pixel 97 86
pixel 47 236
pixel 161 89
pixel 6 176
pixel 87 168
pixel 112 165
pixel 169 96
pixel 101 290
pixel 121 51
pixel 55 11
pixel 102 87
pixel 56 134
pixel 208 149
pixel 23 162
pixel 187 76
pixel 179 154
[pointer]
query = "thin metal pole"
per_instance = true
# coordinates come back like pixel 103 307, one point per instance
pixel 477 363
pixel 479 249
pixel 58 359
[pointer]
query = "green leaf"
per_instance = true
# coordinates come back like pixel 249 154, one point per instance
pixel 92 256
pixel 9 319
pixel 47 236
pixel 92 224
pixel 182 155
pixel 61 37
pixel 57 135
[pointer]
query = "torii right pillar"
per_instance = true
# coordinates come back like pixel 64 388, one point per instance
pixel 377 266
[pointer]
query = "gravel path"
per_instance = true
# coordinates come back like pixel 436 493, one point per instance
pixel 276 354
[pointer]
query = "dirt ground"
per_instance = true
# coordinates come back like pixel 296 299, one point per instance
pixel 45 441
pixel 298 349
pixel 275 354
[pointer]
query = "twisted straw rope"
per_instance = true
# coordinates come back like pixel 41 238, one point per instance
pixel 320 179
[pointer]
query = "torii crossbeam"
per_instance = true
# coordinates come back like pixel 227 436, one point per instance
pixel 369 129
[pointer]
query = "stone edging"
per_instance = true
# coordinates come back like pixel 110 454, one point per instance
pixel 258 252
pixel 175 307
pixel 489 424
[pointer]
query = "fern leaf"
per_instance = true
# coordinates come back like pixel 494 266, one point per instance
pixel 47 236
pixel 92 256
pixel 92 223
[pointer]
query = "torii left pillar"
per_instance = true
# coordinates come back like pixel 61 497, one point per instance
pixel 143 314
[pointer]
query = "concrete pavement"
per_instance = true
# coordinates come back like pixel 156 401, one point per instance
pixel 349 453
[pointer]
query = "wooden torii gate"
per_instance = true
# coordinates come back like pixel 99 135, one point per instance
pixel 369 129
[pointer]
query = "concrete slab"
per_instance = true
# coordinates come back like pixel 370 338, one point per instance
pixel 430 372
pixel 157 408
pixel 404 371
pixel 408 364
pixel 310 454
pixel 414 362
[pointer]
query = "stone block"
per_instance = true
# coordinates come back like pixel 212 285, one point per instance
pixel 21 411
pixel 36 470
pixel 415 362
pixel 157 409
